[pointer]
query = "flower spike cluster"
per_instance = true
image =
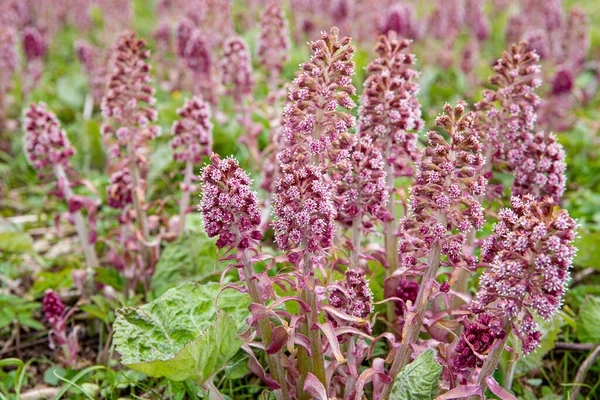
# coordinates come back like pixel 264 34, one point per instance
pixel 94 64
pixel 236 68
pixel 530 254
pixel 515 80
pixel 448 180
pixel 304 210
pixel 362 191
pixel 192 133
pixel 390 112
pixel 129 96
pixel 536 159
pixel 46 144
pixel 313 126
pixel 229 207
pixel 540 167
pixel 273 45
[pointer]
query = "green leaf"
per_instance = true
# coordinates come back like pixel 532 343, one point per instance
pixel 550 330
pixel 238 367
pixel 189 258
pixel 419 380
pixel 51 375
pixel 588 324
pixel 587 256
pixel 182 334
pixel 15 242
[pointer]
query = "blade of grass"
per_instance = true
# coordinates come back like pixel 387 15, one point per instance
pixel 20 372
pixel 73 383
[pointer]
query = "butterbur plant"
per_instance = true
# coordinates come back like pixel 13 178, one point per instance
pixel 49 151
pixel 390 114
pixel 58 317
pixel 127 107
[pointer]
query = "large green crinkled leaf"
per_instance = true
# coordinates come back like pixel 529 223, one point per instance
pixel 419 380
pixel 588 324
pixel 550 330
pixel 181 334
pixel 191 257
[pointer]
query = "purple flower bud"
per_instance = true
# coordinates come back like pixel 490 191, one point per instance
pixel 34 45
pixel 477 337
pixel 119 190
pixel 53 307
pixel 401 19
pixel 352 296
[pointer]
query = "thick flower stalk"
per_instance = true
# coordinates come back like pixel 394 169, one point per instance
pixel 530 254
pixel 391 115
pixel 127 106
pixel 443 208
pixel 58 316
pixel 314 130
pixel 274 42
pixel 192 140
pixel 230 211
pixel 315 141
pixel 49 151
pixel 236 71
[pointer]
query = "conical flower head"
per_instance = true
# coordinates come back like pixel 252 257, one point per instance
pixel 303 209
pixel 129 97
pixel 192 132
pixel 390 112
pixel 449 178
pixel 530 255
pixel 46 144
pixel 229 207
